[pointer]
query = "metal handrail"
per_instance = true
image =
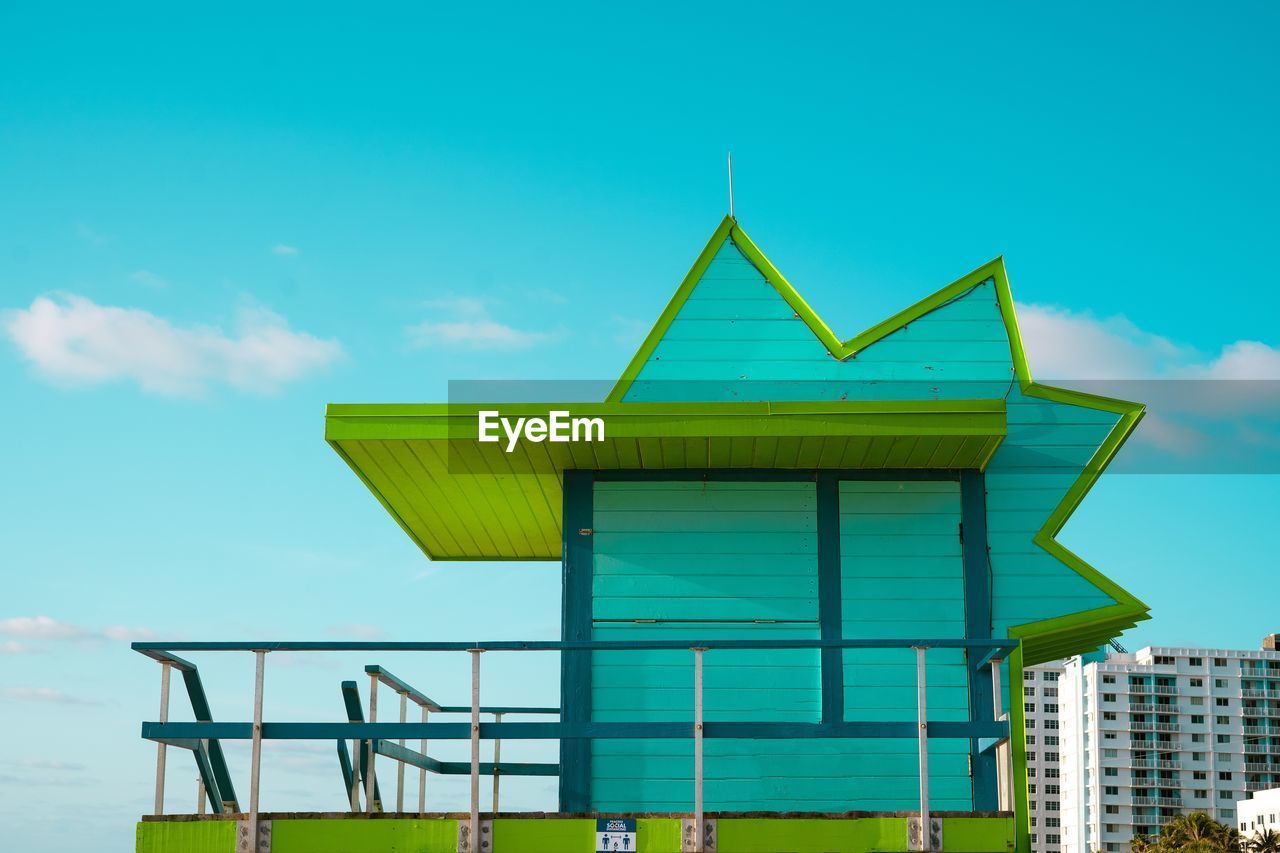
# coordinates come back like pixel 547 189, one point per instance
pixel 376 736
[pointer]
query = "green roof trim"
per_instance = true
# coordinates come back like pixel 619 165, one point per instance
pixel 1043 640
pixel 462 499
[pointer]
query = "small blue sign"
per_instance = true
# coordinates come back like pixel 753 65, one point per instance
pixel 614 835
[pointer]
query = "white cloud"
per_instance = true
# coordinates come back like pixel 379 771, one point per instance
pixel 42 694
pixel 1065 344
pixel 11 647
pixel 41 628
pixel 469 326
pixel 73 340
pixel 282 249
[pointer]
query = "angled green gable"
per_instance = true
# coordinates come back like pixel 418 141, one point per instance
pixel 737 330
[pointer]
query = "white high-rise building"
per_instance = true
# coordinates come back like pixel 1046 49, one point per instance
pixel 1140 738
pixel 1259 813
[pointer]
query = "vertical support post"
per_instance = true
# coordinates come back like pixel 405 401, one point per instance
pixel 404 709
pixel 355 775
pixel 977 626
pixel 698 824
pixel 162 749
pixel 473 837
pixel 1004 767
pixel 576 621
pixel 830 617
pixel 200 797
pixel 922 739
pixel 255 761
pixel 370 777
pixel 422 772
pixel 497 758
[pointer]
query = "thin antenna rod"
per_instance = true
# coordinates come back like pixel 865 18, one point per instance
pixel 731 216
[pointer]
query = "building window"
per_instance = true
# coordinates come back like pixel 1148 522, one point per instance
pixel 1222 702
pixel 1051 692
pixel 1226 795
pixel 1051 724
pixel 1031 756
pixel 1031 789
pixel 1224 776
pixel 1110 736
pixel 1219 661
pixel 1028 675
pixel 1165 660
pixel 1111 790
pixel 1029 707
pixel 1028 691
pixel 1031 740
pixel 1052 773
pixel 1057 789
pixel 1199 775
pixel 1113 810
pixel 1050 740
pixel 1108 679
pixel 1197 682
pixel 1051 806
pixel 1222 720
pixel 1052 839
pixel 1051 676
pixel 1108 697
pixel 1197 737
pixel 1108 715
pixel 1219 682
pixel 1051 756
pixel 1200 794
pixel 1224 738
pixel 1110 771
pixel 1197 719
pixel 1051 708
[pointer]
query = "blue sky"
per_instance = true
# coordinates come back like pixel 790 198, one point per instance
pixel 243 217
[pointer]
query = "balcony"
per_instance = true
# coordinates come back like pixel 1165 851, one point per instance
pixel 1168 802
pixel 1165 689
pixel 1156 763
pixel 1141 708
pixel 1261 767
pixel 1255 693
pixel 1147 726
pixel 1259 786
pixel 1263 730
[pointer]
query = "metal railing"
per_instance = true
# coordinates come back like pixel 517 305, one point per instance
pixel 372 738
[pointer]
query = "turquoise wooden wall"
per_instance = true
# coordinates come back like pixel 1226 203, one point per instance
pixel 737 339
pixel 736 560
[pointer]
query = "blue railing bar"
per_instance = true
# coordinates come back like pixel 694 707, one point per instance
pixel 148 648
pixel 412 757
pixel 160 654
pixel 169 732
pixel 500 709
pixel 989 655
pixel 401 686
pixel 207 777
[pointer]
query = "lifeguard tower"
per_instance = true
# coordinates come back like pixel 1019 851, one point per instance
pixel 800 575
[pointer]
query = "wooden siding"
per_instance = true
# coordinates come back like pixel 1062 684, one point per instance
pixel 959 350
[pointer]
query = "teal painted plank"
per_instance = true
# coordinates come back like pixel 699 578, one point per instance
pixel 737 309
pixel 694 543
pixel 705 519
pixel 644 565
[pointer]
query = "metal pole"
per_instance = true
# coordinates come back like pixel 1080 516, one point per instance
pixel 1004 773
pixel 922 738
pixel 422 772
pixel 497 757
pixel 255 762
pixel 404 707
pixel 199 796
pixel 162 749
pixel 373 718
pixel 473 836
pixel 697 750
pixel 355 775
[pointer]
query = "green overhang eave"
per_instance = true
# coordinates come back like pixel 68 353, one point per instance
pixel 462 499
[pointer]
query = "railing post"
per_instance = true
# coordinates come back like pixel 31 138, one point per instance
pixel 698 839
pixel 200 797
pixel 1004 772
pixel 922 739
pixel 404 708
pixel 355 775
pixel 473 830
pixel 373 718
pixel 497 757
pixel 162 749
pixel 422 772
pixel 255 761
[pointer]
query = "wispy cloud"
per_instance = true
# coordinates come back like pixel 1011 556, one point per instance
pixel 50 764
pixel 72 340
pixel 148 278
pixel 92 235
pixel 23 630
pixel 466 324
pixel 1066 344
pixel 285 250
pixel 47 695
